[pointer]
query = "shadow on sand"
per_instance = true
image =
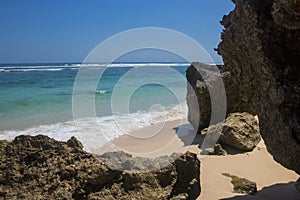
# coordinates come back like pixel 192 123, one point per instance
pixel 188 136
pixel 280 191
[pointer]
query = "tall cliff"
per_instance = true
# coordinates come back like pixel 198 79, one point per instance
pixel 261 50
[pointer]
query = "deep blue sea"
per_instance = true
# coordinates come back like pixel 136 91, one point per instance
pixel 37 99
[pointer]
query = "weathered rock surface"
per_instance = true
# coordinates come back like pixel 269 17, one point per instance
pixel 297 184
pixel 260 48
pixel 123 161
pixel 242 185
pixel 239 130
pixel 286 13
pixel 42 168
pixel 218 150
pixel 198 94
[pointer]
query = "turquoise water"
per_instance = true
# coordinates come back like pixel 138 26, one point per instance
pixel 34 95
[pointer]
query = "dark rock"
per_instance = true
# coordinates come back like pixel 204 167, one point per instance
pixel 187 180
pixel 261 47
pixel 240 130
pixel 297 184
pixel 38 167
pixel 242 185
pixel 73 142
pixel 218 150
pixel 179 180
pixel 286 13
pixel 198 94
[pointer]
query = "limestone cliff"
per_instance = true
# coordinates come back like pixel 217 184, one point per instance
pixel 261 50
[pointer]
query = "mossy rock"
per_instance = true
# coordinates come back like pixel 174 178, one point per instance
pixel 242 185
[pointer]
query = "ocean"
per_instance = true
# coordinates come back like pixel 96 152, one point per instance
pixel 37 99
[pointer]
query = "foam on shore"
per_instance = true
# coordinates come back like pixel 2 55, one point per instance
pixel 107 127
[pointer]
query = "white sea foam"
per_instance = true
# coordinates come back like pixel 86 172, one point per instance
pixel 107 127
pixel 77 66
pixel 30 69
pixel 101 91
pixel 4 70
pixel 132 65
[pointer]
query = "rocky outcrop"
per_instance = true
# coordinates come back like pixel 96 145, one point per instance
pixel 286 13
pixel 123 161
pixel 297 184
pixel 260 48
pixel 242 185
pixel 198 93
pixel 239 130
pixel 42 168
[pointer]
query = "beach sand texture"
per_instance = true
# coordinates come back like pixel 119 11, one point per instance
pixel 273 180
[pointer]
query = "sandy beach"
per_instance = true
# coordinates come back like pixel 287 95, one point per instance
pixel 273 180
pixel 152 141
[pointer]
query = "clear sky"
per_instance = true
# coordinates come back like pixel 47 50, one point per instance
pixel 41 31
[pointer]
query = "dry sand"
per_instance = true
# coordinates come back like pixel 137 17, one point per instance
pixel 153 141
pixel 273 180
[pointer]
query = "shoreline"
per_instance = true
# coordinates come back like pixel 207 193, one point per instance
pixel 102 129
pixel 273 180
pixel 153 141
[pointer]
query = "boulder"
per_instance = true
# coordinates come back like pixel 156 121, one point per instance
pixel 239 130
pixel 198 94
pixel 38 167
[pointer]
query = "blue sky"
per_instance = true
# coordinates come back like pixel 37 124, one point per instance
pixel 41 31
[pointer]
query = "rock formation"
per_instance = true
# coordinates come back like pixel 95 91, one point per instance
pixel 198 94
pixel 297 184
pixel 42 168
pixel 260 48
pixel 218 150
pixel 242 185
pixel 239 130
